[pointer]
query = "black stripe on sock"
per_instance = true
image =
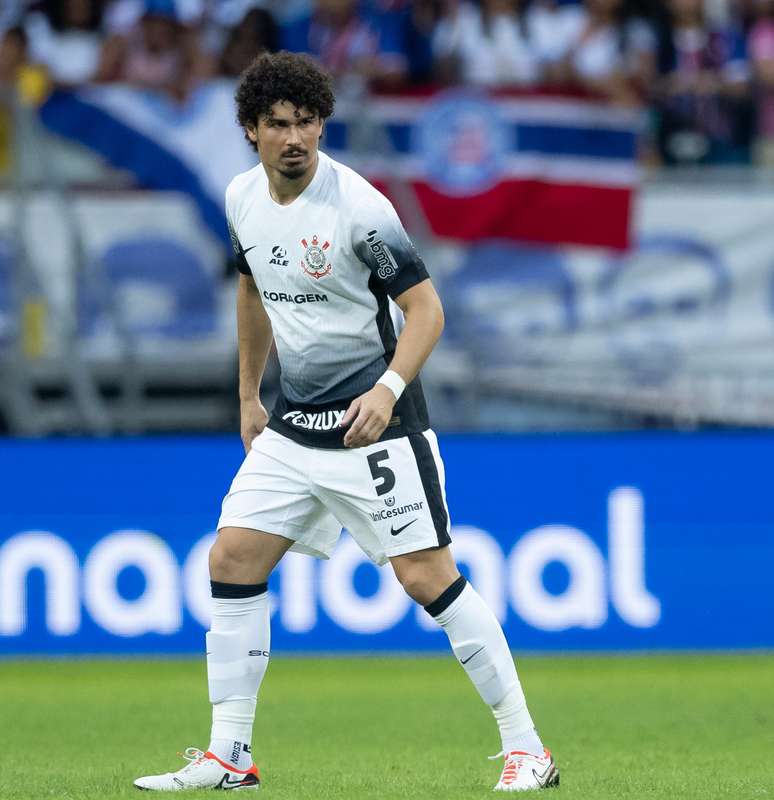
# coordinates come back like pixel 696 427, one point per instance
pixel 236 590
pixel 447 597
pixel 431 483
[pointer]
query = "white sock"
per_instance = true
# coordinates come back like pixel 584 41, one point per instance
pixel 478 641
pixel 510 715
pixel 233 752
pixel 237 658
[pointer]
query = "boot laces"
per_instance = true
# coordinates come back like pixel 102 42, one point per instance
pixel 514 761
pixel 192 755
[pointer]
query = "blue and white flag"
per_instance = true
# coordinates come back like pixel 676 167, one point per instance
pixel 195 148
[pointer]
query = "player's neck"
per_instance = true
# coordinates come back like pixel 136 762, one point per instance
pixel 284 190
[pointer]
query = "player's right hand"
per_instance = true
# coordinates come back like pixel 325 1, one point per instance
pixel 253 420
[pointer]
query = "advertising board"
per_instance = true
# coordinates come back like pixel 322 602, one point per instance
pixel 583 542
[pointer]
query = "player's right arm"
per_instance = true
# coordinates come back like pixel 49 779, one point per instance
pixel 255 337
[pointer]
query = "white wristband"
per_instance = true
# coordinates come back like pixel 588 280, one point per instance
pixel 393 382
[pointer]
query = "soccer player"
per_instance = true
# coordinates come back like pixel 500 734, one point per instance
pixel 326 271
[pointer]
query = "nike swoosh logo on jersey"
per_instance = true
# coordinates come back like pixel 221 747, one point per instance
pixel 245 252
pixel 465 661
pixel 395 532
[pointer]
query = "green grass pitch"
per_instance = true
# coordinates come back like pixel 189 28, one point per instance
pixel 619 726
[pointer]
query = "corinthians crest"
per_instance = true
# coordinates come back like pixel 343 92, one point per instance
pixel 315 262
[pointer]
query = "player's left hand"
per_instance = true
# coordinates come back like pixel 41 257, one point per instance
pixel 371 413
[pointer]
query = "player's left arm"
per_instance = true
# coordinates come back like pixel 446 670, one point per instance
pixel 371 412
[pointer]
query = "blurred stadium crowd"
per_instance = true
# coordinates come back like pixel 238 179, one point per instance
pixel 703 68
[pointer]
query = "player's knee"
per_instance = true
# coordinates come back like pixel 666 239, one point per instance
pixel 219 559
pixel 425 575
pixel 418 584
pixel 226 556
pixel 245 556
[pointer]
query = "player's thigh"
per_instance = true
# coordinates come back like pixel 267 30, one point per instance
pixel 389 496
pixel 242 555
pixel 272 496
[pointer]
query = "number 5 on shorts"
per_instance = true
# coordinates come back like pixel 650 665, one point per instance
pixel 385 474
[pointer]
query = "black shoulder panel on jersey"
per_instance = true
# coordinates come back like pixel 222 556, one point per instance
pixel 396 265
pixel 383 319
pixel 239 252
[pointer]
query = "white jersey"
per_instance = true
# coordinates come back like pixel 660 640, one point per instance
pixel 326 266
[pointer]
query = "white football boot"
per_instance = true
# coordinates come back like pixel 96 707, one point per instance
pixel 523 771
pixel 205 771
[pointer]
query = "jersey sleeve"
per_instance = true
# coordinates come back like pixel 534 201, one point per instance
pixel 239 253
pixel 382 244
pixel 231 206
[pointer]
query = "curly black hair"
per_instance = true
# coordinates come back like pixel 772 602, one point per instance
pixel 274 77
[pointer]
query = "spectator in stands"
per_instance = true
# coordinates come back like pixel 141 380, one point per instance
pixel 13 55
pixel 347 43
pixel 404 30
pixel 158 53
pixel 486 45
pixel 607 54
pixel 421 21
pixel 256 33
pixel 65 36
pixel 761 47
pixel 17 73
pixel 123 15
pixel 553 27
pixel 703 96
pixel 11 12
pixel 745 12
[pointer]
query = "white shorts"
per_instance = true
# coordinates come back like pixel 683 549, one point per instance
pixel 390 495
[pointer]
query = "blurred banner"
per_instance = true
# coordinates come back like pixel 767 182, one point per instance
pixel 577 542
pixel 537 168
pixel 544 169
pixel 195 148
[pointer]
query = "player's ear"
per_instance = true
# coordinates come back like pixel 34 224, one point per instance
pixel 252 133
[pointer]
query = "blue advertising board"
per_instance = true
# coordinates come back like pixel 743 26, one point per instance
pixel 578 542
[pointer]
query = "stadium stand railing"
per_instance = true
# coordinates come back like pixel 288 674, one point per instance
pixel 56 377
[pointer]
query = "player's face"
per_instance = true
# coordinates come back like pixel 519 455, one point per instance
pixel 287 139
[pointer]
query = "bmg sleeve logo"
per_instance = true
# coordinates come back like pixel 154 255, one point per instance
pixel 387 267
